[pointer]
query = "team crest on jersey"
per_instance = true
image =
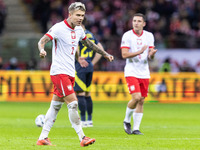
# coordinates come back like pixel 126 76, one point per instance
pixel 69 87
pixel 139 41
pixel 73 35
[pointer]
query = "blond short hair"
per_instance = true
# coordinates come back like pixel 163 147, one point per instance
pixel 76 6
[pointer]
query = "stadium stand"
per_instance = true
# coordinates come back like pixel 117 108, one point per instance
pixel 175 23
pixel 3 13
pixel 168 20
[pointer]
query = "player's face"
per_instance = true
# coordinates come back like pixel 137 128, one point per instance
pixel 77 17
pixel 138 23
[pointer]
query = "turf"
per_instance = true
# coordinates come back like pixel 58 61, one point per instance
pixel 165 127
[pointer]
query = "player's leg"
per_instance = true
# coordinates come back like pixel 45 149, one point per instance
pixel 50 117
pixel 130 111
pixel 72 104
pixel 88 98
pixel 89 104
pixel 134 89
pixel 137 117
pixel 74 118
pixel 51 114
pixel 138 114
pixel 80 88
pixel 82 105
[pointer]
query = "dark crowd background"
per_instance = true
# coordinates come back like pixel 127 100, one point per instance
pixel 174 23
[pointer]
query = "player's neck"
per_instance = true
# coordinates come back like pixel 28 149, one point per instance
pixel 138 32
pixel 70 23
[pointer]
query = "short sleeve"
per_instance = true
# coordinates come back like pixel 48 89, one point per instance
pixel 151 41
pixel 53 32
pixel 83 36
pixel 125 43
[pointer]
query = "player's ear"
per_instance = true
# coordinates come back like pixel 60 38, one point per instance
pixel 144 24
pixel 70 14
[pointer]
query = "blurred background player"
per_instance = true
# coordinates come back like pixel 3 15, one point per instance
pixel 137 46
pixel 83 78
pixel 65 36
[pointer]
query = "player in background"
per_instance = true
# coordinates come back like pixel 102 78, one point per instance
pixel 137 47
pixel 65 36
pixel 83 78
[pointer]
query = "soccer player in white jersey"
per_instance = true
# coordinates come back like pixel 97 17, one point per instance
pixel 65 37
pixel 137 46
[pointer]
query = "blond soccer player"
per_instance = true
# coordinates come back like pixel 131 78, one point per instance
pixel 65 36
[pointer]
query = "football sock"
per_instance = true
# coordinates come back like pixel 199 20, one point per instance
pixel 82 106
pixel 89 107
pixel 74 118
pixel 129 113
pixel 50 118
pixel 137 118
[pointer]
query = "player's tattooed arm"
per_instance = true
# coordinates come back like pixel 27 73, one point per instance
pixel 94 47
pixel 41 44
pixel 97 49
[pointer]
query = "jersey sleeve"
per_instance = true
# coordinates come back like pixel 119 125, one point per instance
pixel 151 41
pixel 53 32
pixel 125 42
pixel 83 36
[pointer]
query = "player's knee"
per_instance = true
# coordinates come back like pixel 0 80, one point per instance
pixel 141 102
pixel 137 98
pixel 73 113
pixel 56 105
pixel 73 105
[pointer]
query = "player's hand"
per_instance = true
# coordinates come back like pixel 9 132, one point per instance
pixel 43 53
pixel 109 57
pixel 152 52
pixel 83 62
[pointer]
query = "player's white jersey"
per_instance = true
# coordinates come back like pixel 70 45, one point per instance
pixel 65 41
pixel 137 66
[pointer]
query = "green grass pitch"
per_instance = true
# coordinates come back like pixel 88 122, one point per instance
pixel 165 127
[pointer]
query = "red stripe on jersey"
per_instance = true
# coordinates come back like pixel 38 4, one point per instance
pixel 84 38
pixel 49 36
pixel 125 47
pixel 136 33
pixel 55 45
pixel 65 21
pixel 151 46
